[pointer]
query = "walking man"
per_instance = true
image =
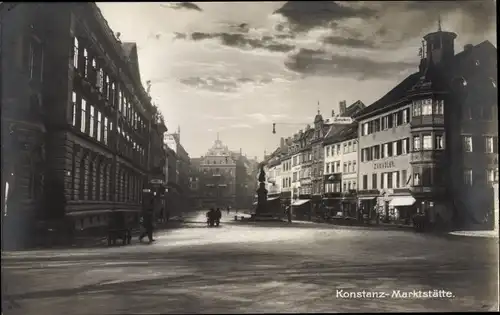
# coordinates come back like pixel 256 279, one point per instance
pixel 147 223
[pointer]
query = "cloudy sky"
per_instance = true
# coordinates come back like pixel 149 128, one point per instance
pixel 234 68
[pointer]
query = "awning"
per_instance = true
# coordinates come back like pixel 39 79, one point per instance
pixel 366 198
pixel 402 201
pixel 300 202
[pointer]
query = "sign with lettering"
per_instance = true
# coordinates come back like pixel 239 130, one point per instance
pixel 339 121
pixel 382 165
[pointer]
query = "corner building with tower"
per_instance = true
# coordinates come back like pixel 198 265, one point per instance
pixel 430 145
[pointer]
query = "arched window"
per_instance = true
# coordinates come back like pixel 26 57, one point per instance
pixel 98 176
pixel 90 180
pixel 82 178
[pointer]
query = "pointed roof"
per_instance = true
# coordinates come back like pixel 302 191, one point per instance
pixel 130 51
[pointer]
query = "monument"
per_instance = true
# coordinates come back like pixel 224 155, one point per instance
pixel 261 212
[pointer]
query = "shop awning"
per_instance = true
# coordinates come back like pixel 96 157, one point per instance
pixel 300 202
pixel 367 198
pixel 402 201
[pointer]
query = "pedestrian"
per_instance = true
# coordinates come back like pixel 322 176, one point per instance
pixel 147 224
pixel 218 215
pixel 288 211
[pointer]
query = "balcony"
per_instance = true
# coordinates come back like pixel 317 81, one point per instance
pixel 426 156
pixel 427 120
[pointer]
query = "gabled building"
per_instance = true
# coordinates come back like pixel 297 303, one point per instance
pixel 429 146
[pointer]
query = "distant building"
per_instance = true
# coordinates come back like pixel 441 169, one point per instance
pixel 218 177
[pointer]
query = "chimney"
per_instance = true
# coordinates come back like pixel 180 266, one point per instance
pixel 468 47
pixel 282 142
pixel 342 107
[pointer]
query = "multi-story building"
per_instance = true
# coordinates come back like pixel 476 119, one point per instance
pixel 218 178
pixel 341 176
pixel 302 206
pixel 430 144
pixel 97 144
pixel 23 119
pixel 178 196
pixel 317 166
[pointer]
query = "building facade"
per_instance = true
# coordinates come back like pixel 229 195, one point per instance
pixel 218 177
pixel 340 151
pixel 417 152
pixel 97 145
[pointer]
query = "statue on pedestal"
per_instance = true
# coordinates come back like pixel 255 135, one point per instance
pixel 261 193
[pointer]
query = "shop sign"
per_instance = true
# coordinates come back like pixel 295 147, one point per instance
pixel 385 164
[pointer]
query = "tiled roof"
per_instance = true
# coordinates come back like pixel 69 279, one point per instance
pixel 345 133
pixel 392 96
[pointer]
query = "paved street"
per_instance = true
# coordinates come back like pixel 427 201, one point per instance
pixel 242 269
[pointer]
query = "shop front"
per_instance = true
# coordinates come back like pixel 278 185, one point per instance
pixel 349 204
pixel 333 204
pixel 367 204
pixel 401 207
pixel 301 208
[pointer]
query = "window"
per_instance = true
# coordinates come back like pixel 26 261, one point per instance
pixel 374 181
pixel 468 177
pixel 85 62
pixel 427 108
pixel 417 109
pixel 395 176
pixel 365 182
pixel 416 179
pixel 489 144
pixel 375 154
pixel 354 146
pixel 467 143
pixel 383 180
pixel 427 142
pixel 395 148
pixel 438 142
pixel 92 117
pixel 345 186
pixel 349 166
pixel 438 107
pixel 73 102
pixel 405 116
pixel 354 166
pixel 345 167
pixel 345 147
pixel 327 151
pixel 404 178
pixel 75 52
pixel 385 122
pixel 365 129
pixel 389 179
pixel 99 126
pixel 416 143
pixel 327 168
pixel 100 80
pixel 385 152
pixel 396 120
pixel 83 120
pixel 490 176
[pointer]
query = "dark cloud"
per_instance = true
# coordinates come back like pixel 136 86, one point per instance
pixel 242 41
pixel 478 16
pixel 320 63
pixel 348 41
pixel 182 5
pixel 304 15
pixel 226 85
